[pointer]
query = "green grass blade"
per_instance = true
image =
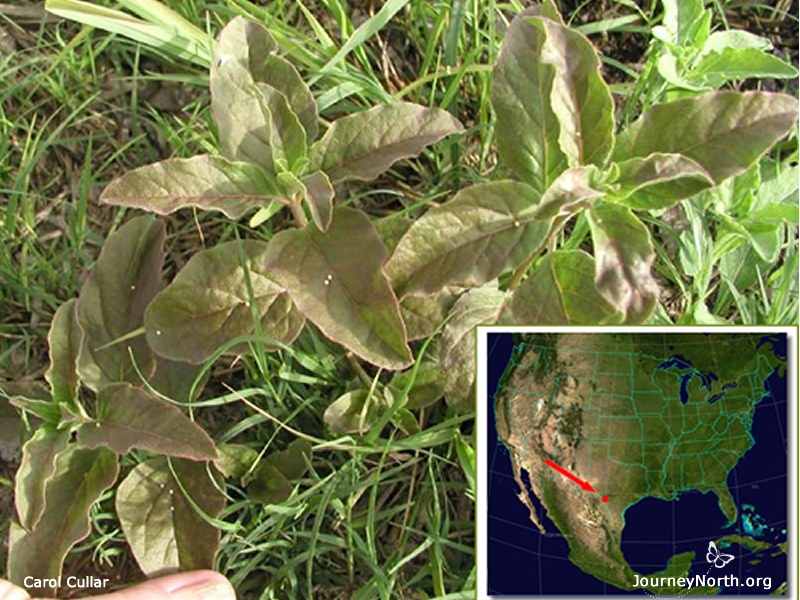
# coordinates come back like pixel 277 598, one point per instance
pixel 159 36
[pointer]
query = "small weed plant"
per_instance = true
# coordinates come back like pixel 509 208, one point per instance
pixel 130 354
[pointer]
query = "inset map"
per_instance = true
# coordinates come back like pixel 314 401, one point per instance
pixel 637 463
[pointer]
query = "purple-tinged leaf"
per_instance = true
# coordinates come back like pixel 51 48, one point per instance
pixel 424 314
pixel 484 231
pixel 279 73
pixel 723 132
pixel 365 144
pixel 246 44
pixel 623 259
pixel 527 128
pixel 319 198
pixel 64 340
pixel 159 517
pixel 80 479
pixel 129 417
pixel 480 306
pixel 569 193
pixel 37 468
pixel 208 304
pixel 287 139
pixel 579 96
pixel 207 182
pixel 264 112
pixel 174 379
pixel 112 303
pixel 560 291
pixel 336 280
pixel 657 181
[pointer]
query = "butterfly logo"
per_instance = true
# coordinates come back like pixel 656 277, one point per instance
pixel 718 558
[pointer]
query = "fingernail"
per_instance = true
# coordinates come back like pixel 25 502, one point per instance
pixel 207 590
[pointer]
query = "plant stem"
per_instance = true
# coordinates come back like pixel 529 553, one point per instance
pixel 298 214
pixel 516 277
pixel 359 370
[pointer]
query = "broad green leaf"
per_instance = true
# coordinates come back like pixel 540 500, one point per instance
pixel 243 124
pixel 742 266
pixel 129 417
pixel 426 387
pixel 270 482
pixel 623 258
pixel 735 64
pixel 579 97
pixel 80 479
pixel 319 198
pixel 658 181
pixel 268 485
pixel 36 469
pixel 279 73
pixel 724 132
pixel 159 518
pixel 365 144
pixel 207 182
pixel 766 238
pixel 572 191
pixel 350 413
pixel 336 280
pixel 64 341
pixel 734 39
pixel 32 397
pixel 392 228
pixel 480 306
pixel 777 213
pixel 687 22
pixel 208 304
pixel 112 302
pixel 293 461
pixel 423 314
pixel 174 379
pixel 560 291
pixel 287 139
pixel 781 187
pixel 700 315
pixel 676 73
pixel 235 460
pixel 405 421
pixel 527 129
pixel 484 231
pixel 734 196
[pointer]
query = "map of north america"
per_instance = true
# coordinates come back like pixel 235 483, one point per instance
pixel 597 422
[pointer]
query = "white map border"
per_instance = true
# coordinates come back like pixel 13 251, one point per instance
pixel 483 417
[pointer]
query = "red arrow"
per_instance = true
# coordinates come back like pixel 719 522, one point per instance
pixel 585 485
